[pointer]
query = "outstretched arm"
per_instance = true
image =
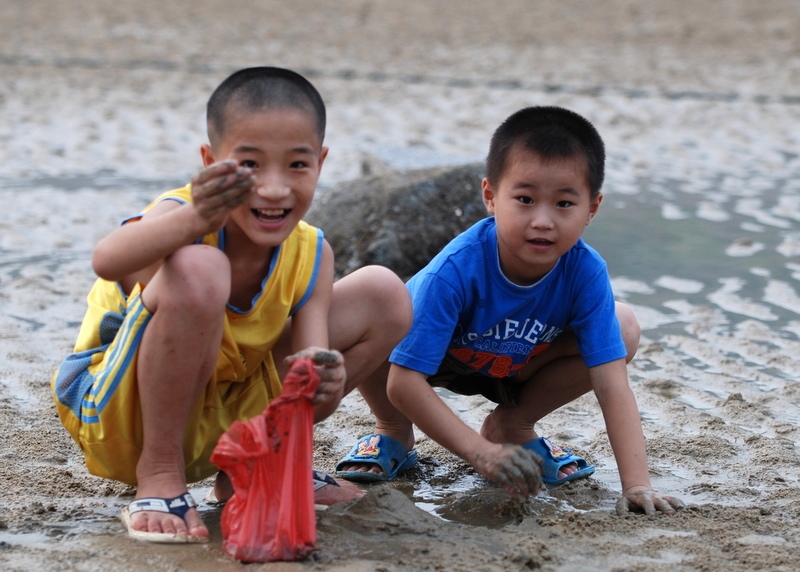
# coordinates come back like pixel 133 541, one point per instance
pixel 514 468
pixel 624 427
pixel 310 335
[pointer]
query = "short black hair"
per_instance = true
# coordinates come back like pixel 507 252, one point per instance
pixel 265 87
pixel 552 133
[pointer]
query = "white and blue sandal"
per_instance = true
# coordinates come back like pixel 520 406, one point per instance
pixel 178 506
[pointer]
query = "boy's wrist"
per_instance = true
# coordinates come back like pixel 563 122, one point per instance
pixel 480 454
pixel 633 489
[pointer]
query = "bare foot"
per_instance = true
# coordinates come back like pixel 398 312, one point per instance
pixel 364 468
pixel 567 470
pixel 167 487
pixel 329 493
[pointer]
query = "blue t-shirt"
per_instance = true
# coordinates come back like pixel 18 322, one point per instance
pixel 465 307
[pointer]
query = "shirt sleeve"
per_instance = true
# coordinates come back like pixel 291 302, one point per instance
pixel 595 321
pixel 437 306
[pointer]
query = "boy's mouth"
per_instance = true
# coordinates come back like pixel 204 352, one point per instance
pixel 540 242
pixel 270 215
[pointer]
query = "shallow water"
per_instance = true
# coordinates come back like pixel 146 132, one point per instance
pixel 738 255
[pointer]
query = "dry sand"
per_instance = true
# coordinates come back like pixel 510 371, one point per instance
pixel 102 107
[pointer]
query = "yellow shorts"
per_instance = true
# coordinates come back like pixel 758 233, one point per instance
pixel 97 399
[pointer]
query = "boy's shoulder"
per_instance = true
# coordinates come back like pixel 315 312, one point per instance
pixel 182 195
pixel 467 258
pixel 478 236
pixel 581 265
pixel 582 252
pixel 465 251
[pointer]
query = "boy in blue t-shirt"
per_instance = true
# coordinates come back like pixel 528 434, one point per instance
pixel 520 310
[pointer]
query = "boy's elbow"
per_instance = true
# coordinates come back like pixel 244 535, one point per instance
pixel 393 392
pixel 400 386
pixel 98 263
pixel 102 264
pixel 630 329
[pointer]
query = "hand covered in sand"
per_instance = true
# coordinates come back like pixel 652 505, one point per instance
pixel 330 367
pixel 217 190
pixel 648 502
pixel 516 469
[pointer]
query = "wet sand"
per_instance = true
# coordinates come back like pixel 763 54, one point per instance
pixel 103 105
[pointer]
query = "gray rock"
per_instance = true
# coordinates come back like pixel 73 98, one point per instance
pixel 399 220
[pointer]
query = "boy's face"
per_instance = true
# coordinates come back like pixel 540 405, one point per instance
pixel 283 150
pixel 541 209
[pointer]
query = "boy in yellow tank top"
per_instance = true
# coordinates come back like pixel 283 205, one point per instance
pixel 203 299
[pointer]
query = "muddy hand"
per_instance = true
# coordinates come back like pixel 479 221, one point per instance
pixel 218 189
pixel 516 469
pixel 649 502
pixel 330 368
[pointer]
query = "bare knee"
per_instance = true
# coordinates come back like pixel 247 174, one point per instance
pixel 195 277
pixel 386 298
pixel 631 330
pixel 393 299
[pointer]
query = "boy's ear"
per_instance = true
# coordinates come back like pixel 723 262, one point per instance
pixel 323 153
pixel 488 195
pixel 207 153
pixel 593 208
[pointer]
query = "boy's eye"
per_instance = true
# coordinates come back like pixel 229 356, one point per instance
pixel 525 200
pixel 299 165
pixel 564 204
pixel 249 164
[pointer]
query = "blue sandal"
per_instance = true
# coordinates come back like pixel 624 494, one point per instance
pixel 554 457
pixel 379 450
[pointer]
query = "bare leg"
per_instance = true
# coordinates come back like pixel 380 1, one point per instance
pixel 554 379
pixel 370 322
pixel 177 357
pixel 370 313
pixel 556 384
pixel 371 384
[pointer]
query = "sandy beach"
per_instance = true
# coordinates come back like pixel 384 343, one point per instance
pixel 102 107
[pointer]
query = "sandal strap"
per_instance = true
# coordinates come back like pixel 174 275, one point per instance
pixel 178 505
pixel 320 479
pixel 556 452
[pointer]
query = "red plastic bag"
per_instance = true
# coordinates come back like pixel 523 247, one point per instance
pixel 269 459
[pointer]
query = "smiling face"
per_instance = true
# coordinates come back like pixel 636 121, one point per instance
pixel 541 208
pixel 282 148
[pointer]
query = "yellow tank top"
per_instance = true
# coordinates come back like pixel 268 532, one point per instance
pixel 249 334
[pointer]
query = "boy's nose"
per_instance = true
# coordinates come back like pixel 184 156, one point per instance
pixel 271 186
pixel 541 219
